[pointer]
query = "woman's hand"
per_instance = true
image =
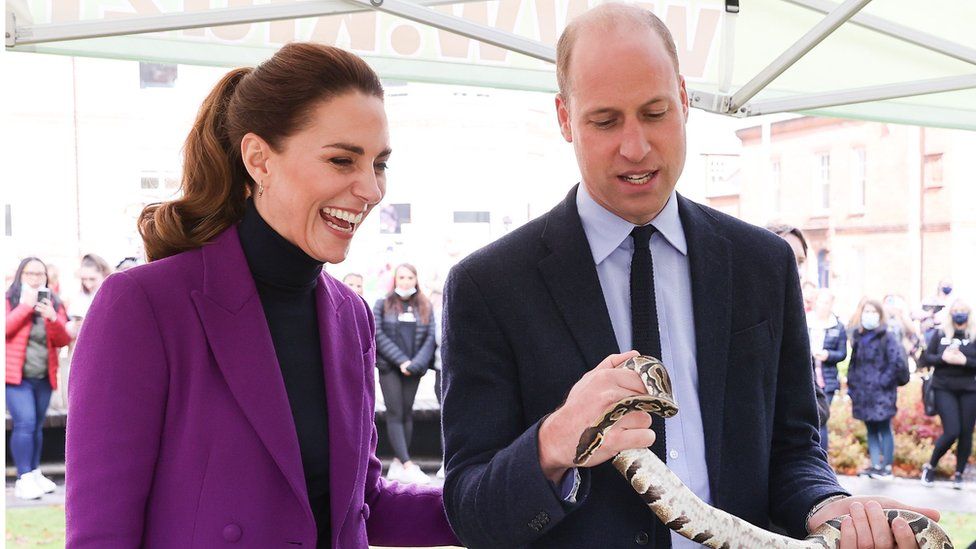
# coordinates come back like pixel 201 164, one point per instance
pixel 46 310
pixel 403 368
pixel 953 356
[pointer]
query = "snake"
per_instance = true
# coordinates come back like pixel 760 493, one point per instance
pixel 684 512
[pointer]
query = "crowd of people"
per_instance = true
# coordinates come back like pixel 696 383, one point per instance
pixel 885 341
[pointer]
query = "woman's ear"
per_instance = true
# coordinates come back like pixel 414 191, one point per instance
pixel 256 152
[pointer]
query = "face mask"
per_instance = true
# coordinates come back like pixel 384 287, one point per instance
pixel 947 290
pixel 405 293
pixel 960 318
pixel 870 321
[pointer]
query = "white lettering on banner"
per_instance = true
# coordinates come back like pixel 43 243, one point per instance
pixel 693 23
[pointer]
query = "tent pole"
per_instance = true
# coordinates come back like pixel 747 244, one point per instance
pixel 861 95
pixel 901 32
pixel 807 42
pixel 56 32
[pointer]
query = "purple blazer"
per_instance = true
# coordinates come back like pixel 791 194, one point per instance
pixel 180 433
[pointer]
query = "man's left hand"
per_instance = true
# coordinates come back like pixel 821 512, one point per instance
pixel 867 527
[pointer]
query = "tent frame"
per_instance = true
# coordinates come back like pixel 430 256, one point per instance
pixel 737 104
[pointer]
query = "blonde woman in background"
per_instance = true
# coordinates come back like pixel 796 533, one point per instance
pixel 952 352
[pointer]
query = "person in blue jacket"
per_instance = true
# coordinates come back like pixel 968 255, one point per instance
pixel 872 382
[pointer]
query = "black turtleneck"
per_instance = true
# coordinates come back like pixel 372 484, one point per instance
pixel 286 278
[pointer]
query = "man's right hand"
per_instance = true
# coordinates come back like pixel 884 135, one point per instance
pixel 596 391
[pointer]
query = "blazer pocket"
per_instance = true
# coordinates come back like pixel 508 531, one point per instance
pixel 755 331
pixel 750 350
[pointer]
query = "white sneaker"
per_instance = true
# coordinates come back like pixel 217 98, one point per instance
pixel 414 475
pixel 26 488
pixel 46 484
pixel 396 471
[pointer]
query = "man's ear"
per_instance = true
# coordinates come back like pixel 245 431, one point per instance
pixel 562 114
pixel 256 152
pixel 685 106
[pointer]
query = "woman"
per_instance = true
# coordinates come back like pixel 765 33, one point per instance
pixel 35 330
pixel 223 393
pixel 954 359
pixel 93 271
pixel 828 345
pixel 404 352
pixel 872 382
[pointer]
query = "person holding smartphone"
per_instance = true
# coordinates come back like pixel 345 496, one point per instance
pixel 35 330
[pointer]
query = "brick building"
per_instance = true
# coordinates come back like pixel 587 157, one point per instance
pixel 887 209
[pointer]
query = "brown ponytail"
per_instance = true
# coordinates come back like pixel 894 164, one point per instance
pixel 272 101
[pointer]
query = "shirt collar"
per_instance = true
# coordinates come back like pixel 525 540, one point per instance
pixel 606 232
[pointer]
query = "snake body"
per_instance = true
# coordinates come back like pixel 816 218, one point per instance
pixel 681 510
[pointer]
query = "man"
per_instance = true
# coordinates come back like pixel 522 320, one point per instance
pixel 528 317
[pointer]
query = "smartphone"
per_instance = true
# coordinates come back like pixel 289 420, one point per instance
pixel 42 294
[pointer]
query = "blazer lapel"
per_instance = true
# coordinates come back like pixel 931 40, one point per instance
pixel 710 264
pixel 571 277
pixel 345 389
pixel 237 330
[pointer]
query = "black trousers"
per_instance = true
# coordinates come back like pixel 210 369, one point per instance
pixel 957 410
pixel 399 392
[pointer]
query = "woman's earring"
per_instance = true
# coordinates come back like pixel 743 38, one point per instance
pixel 260 190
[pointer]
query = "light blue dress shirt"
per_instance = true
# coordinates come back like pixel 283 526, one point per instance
pixel 612 247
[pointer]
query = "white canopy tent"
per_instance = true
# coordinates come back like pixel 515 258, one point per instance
pixel 892 60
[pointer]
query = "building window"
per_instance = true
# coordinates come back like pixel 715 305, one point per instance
pixel 776 176
pixel 823 268
pixel 149 182
pixel 859 179
pixel 821 180
pixel 932 170
pixel 472 217
pixel 721 174
pixel 8 224
pixel 392 218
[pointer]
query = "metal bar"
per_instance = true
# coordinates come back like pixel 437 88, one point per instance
pixel 710 102
pixel 463 27
pixel 56 32
pixel 11 29
pixel 807 42
pixel 895 30
pixel 861 95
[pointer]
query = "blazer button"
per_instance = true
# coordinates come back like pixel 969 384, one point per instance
pixel 642 538
pixel 232 532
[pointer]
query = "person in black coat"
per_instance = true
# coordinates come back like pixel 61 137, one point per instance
pixel 872 382
pixel 404 352
pixel 954 380
pixel 535 322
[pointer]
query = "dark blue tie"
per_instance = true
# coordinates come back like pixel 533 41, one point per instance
pixel 647 339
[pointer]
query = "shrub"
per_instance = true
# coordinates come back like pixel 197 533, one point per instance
pixel 915 435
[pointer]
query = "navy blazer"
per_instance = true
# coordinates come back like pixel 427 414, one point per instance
pixel 525 318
